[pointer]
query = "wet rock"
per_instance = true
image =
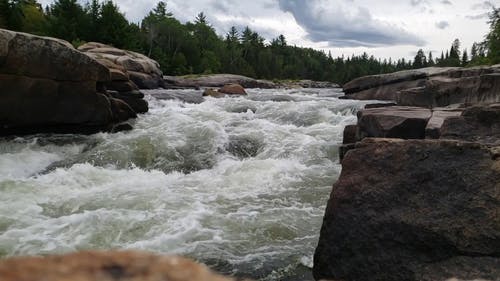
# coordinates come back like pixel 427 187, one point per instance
pixel 185 96
pixel 232 89
pixel 213 93
pixel 413 210
pixel 106 266
pixel 243 147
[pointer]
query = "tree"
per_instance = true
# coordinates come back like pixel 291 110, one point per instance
pixel 430 61
pixel 67 20
pixel 420 60
pixel 493 38
pixel 465 57
pixel 112 26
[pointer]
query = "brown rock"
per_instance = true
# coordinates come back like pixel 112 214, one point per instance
pixel 439 115
pixel 233 89
pixel 46 58
pixel 413 210
pixel 213 93
pixel 393 122
pixel 106 266
pixel 477 123
pixel 117 75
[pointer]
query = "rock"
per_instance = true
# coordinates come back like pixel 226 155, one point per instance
pixel 213 93
pixel 118 75
pixel 216 80
pixel 46 58
pixel 433 128
pixel 129 72
pixel 143 71
pixel 46 86
pixel 430 87
pixel 106 266
pixel 413 210
pixel 480 123
pixel 192 96
pixel 307 84
pixel 233 89
pixel 376 81
pixel 134 99
pixel 393 122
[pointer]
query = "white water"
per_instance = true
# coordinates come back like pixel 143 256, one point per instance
pixel 238 183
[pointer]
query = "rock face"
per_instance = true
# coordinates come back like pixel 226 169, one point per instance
pixel 129 72
pixel 106 266
pixel 430 87
pixel 143 71
pixel 48 86
pixel 413 210
pixel 422 205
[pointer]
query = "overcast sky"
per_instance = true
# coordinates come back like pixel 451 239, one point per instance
pixel 384 28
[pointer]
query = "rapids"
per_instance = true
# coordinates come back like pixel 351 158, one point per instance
pixel 237 183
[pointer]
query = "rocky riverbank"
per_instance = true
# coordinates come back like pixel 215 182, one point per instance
pixel 220 80
pixel 419 193
pixel 47 86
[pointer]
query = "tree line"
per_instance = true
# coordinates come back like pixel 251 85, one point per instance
pixel 195 47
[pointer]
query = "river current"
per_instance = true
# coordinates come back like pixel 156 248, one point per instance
pixel 237 183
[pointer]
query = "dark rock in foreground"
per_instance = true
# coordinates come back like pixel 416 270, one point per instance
pixel 48 86
pixel 413 210
pixel 106 266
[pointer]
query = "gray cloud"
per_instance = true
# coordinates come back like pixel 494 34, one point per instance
pixel 478 17
pixel 346 25
pixel 442 24
pixel 446 2
pixel 485 5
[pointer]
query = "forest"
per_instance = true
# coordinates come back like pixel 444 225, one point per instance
pixel 196 48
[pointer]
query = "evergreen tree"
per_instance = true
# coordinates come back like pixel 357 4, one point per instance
pixel 493 38
pixel 465 57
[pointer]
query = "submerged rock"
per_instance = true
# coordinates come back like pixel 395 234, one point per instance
pixel 413 210
pixel 48 86
pixel 106 266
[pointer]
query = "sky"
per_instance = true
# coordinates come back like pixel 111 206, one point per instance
pixel 383 28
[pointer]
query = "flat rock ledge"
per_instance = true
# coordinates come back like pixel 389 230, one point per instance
pixel 430 87
pixel 106 266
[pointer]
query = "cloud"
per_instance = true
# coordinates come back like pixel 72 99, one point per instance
pixel 485 5
pixel 478 17
pixel 446 2
pixel 346 24
pixel 442 24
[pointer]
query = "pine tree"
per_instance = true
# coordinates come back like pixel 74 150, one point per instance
pixel 465 57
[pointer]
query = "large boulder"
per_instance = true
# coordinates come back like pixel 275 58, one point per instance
pixel 106 266
pixel 413 210
pixel 48 86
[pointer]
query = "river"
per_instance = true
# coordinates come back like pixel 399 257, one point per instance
pixel 237 183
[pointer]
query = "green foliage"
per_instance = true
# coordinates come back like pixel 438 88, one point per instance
pixel 195 48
